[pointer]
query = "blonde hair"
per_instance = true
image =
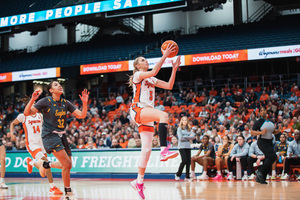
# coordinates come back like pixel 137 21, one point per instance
pixel 188 126
pixel 135 62
pixel 158 143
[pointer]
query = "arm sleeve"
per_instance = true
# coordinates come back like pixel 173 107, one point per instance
pixel 21 118
pixel 70 106
pixel 42 104
pixel 258 124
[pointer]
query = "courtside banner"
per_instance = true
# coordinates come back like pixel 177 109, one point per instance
pixel 6 77
pixel 99 68
pixel 97 161
pixel 217 57
pixel 36 74
pixel 274 52
pixel 77 10
pixel 153 61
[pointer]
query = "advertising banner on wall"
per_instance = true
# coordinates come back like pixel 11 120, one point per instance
pixel 6 77
pixel 36 74
pixel 153 61
pixel 99 68
pixel 217 57
pixel 274 52
pixel 77 10
pixel 102 162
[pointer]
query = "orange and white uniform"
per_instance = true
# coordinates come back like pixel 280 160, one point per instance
pixel 33 128
pixel 143 96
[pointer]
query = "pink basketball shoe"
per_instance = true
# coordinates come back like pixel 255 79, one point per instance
pixel 217 178
pixel 166 154
pixel 139 188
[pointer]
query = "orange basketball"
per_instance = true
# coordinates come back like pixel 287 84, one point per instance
pixel 165 45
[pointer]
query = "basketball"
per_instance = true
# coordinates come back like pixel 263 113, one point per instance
pixel 166 43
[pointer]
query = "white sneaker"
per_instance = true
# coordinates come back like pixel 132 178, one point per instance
pixel 252 177
pixel 284 177
pixel 245 177
pixel 193 176
pixel 69 196
pixel 230 177
pixel 3 186
pixel 177 178
pixel 202 177
pixel 268 177
pixel 188 179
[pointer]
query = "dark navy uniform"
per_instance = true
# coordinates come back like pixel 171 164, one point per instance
pixel 55 120
pixel 265 144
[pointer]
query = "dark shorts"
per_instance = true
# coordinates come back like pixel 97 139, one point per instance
pixel 54 143
pixel 1 143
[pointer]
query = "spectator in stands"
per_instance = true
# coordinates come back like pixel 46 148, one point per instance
pixel 273 95
pixel 297 111
pixel 238 97
pixel 71 143
pixel 293 153
pixel 255 156
pixel 296 123
pixel 211 100
pixel 203 113
pixel 114 144
pixel 22 145
pixel 155 142
pixel 174 142
pixel 122 142
pixel 228 107
pixel 119 99
pixel 239 153
pixel 223 153
pixel 287 128
pixel 264 97
pixel 257 88
pixel 249 88
pixel 124 118
pixel 159 106
pixel 183 113
pixel 208 159
pixel 138 143
pixel 81 144
pixel 94 109
pixel 281 152
pixel 213 92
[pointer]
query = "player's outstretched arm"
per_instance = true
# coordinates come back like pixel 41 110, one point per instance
pixel 29 109
pixel 169 85
pixel 157 67
pixel 81 114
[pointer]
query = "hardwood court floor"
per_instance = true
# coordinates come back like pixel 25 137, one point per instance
pixel 104 189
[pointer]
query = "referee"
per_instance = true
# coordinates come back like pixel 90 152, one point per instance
pixel 264 129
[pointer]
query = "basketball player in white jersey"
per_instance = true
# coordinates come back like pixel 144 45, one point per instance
pixel 32 126
pixel 144 114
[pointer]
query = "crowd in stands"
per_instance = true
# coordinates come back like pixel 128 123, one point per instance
pixel 229 111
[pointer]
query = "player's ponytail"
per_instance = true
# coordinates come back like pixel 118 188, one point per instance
pixel 130 81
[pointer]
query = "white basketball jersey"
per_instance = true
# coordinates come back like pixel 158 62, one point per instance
pixel 144 90
pixel 32 126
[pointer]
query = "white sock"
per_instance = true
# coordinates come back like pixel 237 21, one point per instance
pixel 2 180
pixel 230 173
pixel 245 172
pixel 219 172
pixel 32 162
pixel 140 179
pixel 204 173
pixel 273 173
pixel 52 185
pixel 162 148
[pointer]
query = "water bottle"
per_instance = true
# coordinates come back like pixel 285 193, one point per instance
pixel 280 159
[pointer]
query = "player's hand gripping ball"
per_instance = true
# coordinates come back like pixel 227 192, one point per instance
pixel 171 42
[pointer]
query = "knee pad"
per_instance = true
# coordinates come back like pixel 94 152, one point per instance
pixel 46 164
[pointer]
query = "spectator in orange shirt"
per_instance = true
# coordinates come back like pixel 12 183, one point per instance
pixel 125 95
pixel 286 128
pixel 123 106
pixel 213 92
pixel 226 89
pixel 221 132
pixel 264 96
pixel 294 87
pixel 74 122
pixel 202 99
pixel 81 144
pixel 122 142
pixel 257 88
pixel 249 88
pixel 238 89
